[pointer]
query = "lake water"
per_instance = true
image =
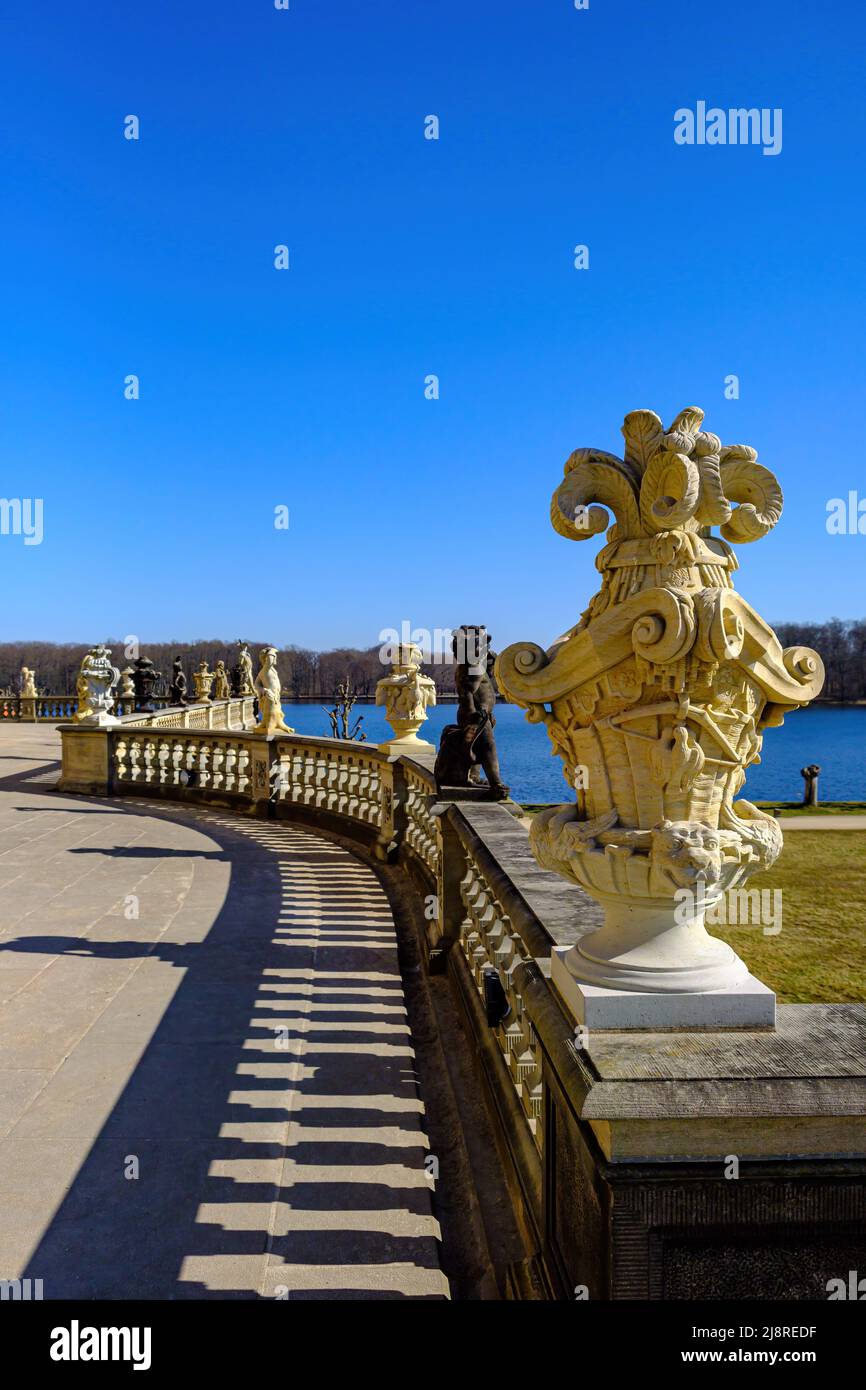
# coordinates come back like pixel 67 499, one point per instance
pixel 832 736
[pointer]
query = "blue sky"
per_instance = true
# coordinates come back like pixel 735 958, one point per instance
pixel 305 388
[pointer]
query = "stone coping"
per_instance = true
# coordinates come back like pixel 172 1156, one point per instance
pixel 545 909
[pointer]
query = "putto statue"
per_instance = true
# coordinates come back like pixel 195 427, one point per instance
pixel 270 693
pixel 202 679
pixel 221 689
pixel 178 688
pixel 469 744
pixel 242 672
pixel 656 702
pixel 97 678
pixel 406 695
pixel 144 678
pixel 28 683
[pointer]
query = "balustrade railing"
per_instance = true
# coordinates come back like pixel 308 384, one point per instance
pixel 493 921
pixel 423 835
pixel 53 709
pixel 489 941
pixel 331 775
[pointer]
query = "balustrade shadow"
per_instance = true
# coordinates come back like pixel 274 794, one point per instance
pixel 273 1113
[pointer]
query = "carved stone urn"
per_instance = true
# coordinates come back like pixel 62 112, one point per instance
pixel 656 702
pixel 202 679
pixel 97 678
pixel 406 695
pixel 144 678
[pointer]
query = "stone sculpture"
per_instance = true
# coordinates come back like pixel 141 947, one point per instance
pixel 177 690
pixel 470 744
pixel 242 672
pixel 127 689
pixel 144 678
pixel 202 679
pixel 97 678
pixel 269 691
pixel 28 683
pixel 221 690
pixel 406 695
pixel 656 702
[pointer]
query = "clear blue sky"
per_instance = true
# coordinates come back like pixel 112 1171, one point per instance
pixel 408 257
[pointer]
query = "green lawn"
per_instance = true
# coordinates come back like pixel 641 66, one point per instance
pixel 819 956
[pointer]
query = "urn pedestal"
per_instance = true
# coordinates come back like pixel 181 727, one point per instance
pixel 657 702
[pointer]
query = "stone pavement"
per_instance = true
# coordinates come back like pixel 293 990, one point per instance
pixel 207 1081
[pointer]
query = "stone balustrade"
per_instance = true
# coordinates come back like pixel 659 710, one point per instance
pixel 613 1145
pixel 53 709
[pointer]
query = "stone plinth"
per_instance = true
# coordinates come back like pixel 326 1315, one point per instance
pixel 747 1004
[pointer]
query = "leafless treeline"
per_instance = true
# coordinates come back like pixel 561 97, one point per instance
pixel 304 673
pixel 310 674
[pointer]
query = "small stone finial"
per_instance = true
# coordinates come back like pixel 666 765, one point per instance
pixel 657 701
pixel 406 694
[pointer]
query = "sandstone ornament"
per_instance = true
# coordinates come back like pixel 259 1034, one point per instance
pixel 656 702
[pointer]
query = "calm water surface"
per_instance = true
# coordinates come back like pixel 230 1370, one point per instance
pixel 833 737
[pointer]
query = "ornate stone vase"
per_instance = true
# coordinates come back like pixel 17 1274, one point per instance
pixel 97 678
pixel 202 679
pixel 406 695
pixel 144 678
pixel 656 702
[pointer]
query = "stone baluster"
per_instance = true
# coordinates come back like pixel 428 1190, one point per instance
pixel 135 751
pixel 231 767
pixel 243 773
pixel 217 764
